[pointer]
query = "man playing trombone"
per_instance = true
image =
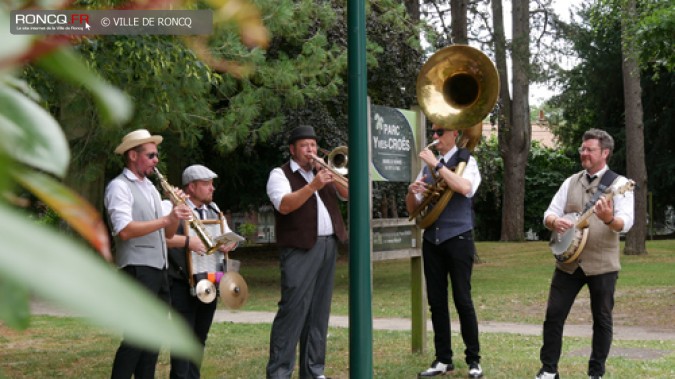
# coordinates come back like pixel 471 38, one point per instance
pixel 308 228
pixel 448 249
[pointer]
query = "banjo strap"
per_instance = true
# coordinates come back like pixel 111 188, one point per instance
pixel 606 180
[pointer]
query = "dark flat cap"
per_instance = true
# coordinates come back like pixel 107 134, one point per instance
pixel 301 132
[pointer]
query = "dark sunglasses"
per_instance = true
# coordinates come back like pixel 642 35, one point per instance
pixel 152 155
pixel 438 132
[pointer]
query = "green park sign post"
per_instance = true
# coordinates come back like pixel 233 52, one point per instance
pixel 396 136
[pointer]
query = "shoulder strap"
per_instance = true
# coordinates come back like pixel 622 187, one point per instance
pixel 606 181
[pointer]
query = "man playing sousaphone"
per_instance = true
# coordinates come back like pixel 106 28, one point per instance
pixel 597 266
pixel 448 249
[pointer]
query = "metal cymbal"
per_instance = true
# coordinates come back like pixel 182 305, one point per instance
pixel 233 290
pixel 206 291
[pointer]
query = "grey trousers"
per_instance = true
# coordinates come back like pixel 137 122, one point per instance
pixel 306 292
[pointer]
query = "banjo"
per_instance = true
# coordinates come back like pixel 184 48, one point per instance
pixel 567 246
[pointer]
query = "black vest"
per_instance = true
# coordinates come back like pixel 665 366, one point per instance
pixel 298 229
pixel 456 218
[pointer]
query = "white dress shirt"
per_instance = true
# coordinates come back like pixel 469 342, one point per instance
pixel 278 186
pixel 470 173
pixel 623 204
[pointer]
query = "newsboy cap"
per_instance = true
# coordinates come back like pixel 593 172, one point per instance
pixel 301 132
pixel 197 172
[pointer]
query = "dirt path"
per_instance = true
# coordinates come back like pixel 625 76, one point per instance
pixel 246 317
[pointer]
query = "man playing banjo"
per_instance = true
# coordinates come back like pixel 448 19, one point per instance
pixel 597 265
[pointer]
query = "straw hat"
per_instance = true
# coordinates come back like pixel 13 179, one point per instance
pixel 136 138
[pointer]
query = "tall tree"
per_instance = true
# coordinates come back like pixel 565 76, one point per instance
pixel 514 131
pixel 635 149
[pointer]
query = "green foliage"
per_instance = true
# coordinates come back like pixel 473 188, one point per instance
pixel 247 229
pixel 487 203
pixel 546 170
pixel 592 97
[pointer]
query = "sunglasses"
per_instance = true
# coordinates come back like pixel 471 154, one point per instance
pixel 152 155
pixel 438 132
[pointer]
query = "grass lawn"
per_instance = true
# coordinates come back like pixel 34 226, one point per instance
pixel 510 284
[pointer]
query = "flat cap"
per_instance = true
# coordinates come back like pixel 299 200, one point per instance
pixel 197 172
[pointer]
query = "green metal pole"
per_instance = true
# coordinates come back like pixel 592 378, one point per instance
pixel 360 310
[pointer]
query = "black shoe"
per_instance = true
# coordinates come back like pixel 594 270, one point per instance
pixel 475 371
pixel 547 375
pixel 595 377
pixel 437 368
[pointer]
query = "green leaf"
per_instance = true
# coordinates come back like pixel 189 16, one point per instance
pixel 73 208
pixel 31 135
pixel 14 304
pixel 114 105
pixel 13 46
pixel 69 275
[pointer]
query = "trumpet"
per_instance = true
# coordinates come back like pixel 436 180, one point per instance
pixel 335 162
pixel 195 223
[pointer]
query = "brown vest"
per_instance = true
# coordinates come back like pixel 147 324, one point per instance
pixel 601 254
pixel 298 229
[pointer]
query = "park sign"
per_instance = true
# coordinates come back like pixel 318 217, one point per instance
pixel 392 141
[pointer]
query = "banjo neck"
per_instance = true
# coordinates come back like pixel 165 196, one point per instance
pixel 609 193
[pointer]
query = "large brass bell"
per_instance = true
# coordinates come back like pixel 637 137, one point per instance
pixel 457 87
pixel 233 290
pixel 205 291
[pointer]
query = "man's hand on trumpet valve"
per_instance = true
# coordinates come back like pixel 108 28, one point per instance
pixel 321 178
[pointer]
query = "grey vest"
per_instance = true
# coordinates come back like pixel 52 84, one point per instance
pixel 150 249
pixel 601 253
pixel 455 219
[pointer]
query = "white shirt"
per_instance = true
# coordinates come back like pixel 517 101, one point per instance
pixel 623 204
pixel 278 186
pixel 167 206
pixel 470 173
pixel 119 200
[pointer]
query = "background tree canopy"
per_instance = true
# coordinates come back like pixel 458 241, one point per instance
pixel 238 126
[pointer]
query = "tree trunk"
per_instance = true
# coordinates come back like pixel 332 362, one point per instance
pixel 413 9
pixel 635 149
pixel 515 136
pixel 458 26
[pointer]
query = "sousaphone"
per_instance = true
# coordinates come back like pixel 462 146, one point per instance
pixel 456 88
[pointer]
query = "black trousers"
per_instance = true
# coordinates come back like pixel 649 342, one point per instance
pixel 564 289
pixel 454 257
pixel 129 359
pixel 199 316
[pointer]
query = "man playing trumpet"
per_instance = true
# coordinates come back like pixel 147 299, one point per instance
pixel 140 228
pixel 308 227
pixel 448 249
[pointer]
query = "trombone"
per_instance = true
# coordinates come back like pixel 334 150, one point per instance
pixel 335 161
